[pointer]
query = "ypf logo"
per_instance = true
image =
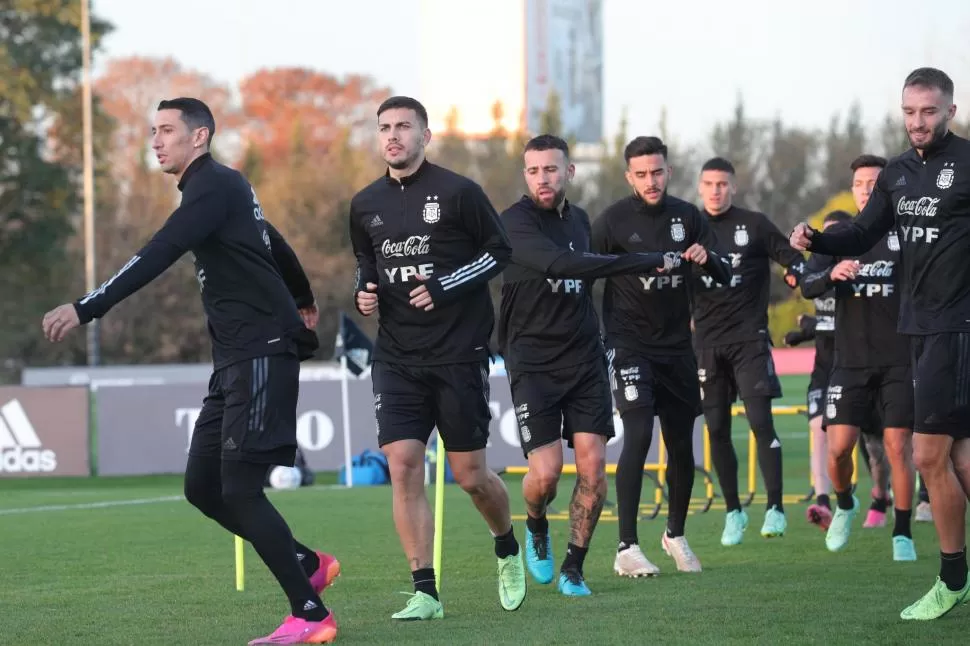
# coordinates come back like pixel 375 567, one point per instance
pixel 21 450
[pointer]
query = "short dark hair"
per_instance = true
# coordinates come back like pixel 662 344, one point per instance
pixel 642 146
pixel 195 114
pixel 547 142
pixel 867 161
pixel 407 103
pixel 718 163
pixel 837 216
pixel 930 77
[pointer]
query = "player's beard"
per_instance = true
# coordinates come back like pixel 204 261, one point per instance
pixel 657 198
pixel 938 133
pixel 550 202
pixel 404 162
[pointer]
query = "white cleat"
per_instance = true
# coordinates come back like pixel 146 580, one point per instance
pixel 680 551
pixel 923 513
pixel 632 563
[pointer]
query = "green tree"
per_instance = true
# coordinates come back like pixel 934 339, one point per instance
pixel 841 144
pixel 739 141
pixel 40 53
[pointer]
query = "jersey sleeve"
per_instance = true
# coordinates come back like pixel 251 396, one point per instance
pixel 193 221
pixel 818 275
pixel 290 268
pixel 485 227
pixel 534 249
pixel 717 266
pixel 363 248
pixel 780 250
pixel 599 239
pixel 864 231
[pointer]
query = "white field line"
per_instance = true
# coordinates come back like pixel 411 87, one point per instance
pixel 103 504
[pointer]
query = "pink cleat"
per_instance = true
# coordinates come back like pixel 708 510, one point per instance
pixel 819 515
pixel 328 571
pixel 875 519
pixel 294 630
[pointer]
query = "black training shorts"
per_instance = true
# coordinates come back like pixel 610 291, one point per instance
pixel 553 405
pixel 744 369
pixel 409 401
pixel 250 412
pixel 941 371
pixel 653 380
pixel 818 383
pixel 853 393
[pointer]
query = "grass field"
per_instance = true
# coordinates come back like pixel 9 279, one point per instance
pixel 80 566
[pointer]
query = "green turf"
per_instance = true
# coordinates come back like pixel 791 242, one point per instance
pixel 159 573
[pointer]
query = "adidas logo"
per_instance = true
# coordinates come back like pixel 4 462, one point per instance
pixel 376 221
pixel 21 450
pixel 308 606
pixel 900 182
pixel 775 444
pixel 635 238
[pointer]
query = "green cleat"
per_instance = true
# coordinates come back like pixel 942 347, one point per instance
pixel 838 534
pixel 734 525
pixel 937 602
pixel 511 581
pixel 421 606
pixel 775 523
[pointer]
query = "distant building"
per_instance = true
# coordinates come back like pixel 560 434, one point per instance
pixel 516 52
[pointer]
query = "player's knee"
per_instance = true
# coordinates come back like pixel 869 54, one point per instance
pixel 931 455
pixel 473 478
pixel 897 447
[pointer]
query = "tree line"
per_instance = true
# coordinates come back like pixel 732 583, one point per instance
pixel 305 139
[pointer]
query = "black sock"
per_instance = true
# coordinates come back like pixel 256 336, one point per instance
pixel 901 526
pixel 677 426
pixel 953 569
pixel 758 411
pixel 575 556
pixel 270 536
pixel 308 558
pixel 506 545
pixel 537 525
pixel 880 505
pixel 723 456
pixel 823 501
pixel 844 499
pixel 637 435
pixel 424 581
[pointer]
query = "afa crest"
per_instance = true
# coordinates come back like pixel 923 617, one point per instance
pixel 945 179
pixel 630 392
pixel 432 212
pixel 677 233
pixel 741 235
pixel 893 241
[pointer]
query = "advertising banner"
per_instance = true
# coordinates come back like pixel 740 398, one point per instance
pixel 44 432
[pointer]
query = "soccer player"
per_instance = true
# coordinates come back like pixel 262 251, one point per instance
pixel 427 242
pixel 260 312
pixel 871 368
pixel 550 338
pixel 733 345
pixel 925 193
pixel 653 368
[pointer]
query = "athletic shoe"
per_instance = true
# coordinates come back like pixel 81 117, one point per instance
pixel 631 562
pixel 420 606
pixel 294 630
pixel 734 525
pixel 875 519
pixel 327 571
pixel 538 556
pixel 572 584
pixel 775 523
pixel 841 527
pixel 903 549
pixel 924 513
pixel 511 581
pixel 937 602
pixel 819 515
pixel 679 550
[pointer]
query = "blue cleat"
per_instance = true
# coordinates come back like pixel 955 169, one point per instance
pixel 538 556
pixel 572 584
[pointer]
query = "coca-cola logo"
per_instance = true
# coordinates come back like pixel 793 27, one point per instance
pixel 923 206
pixel 878 269
pixel 412 246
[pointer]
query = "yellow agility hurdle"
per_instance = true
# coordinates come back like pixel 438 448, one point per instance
pixel 657 471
